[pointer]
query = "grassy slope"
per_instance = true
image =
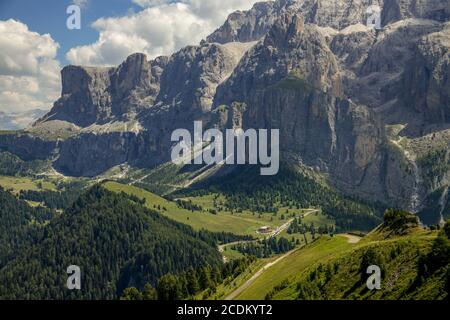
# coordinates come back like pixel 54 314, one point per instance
pixel 294 186
pixel 18 184
pixel 238 223
pixel 321 250
pixel 268 219
pixel 318 219
pixel 9 132
pixel 296 236
pixel 231 254
pixel 399 262
pixel 398 258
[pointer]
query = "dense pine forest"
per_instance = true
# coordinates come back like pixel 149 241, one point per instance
pixel 186 285
pixel 17 221
pixel 115 240
pixel 265 248
pixel 52 199
pixel 12 165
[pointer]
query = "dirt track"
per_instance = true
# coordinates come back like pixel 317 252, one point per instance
pixel 351 238
pixel 238 291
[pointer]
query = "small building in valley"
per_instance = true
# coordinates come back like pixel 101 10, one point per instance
pixel 265 229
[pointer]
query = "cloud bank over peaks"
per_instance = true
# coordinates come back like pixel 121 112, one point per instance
pixel 161 28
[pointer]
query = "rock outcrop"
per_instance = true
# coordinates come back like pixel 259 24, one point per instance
pixel 427 81
pixel 291 81
pixel 246 26
pixel 193 74
pixel 91 95
pixel 182 93
pixel 28 147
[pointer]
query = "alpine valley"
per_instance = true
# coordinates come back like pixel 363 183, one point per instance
pixel 364 122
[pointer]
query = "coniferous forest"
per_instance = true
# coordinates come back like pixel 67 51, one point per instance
pixel 116 242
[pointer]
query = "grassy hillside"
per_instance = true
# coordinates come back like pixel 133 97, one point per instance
pixel 344 277
pixel 19 184
pixel 414 263
pixel 231 284
pixel 243 223
pixel 163 179
pixel 245 190
pixel 289 269
pixel 292 187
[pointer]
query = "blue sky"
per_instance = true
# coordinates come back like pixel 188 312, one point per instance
pixel 35 43
pixel 49 16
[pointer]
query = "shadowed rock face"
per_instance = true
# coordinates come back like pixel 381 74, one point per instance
pixel 193 74
pixel 135 84
pixel 91 95
pixel 27 147
pixel 310 68
pixel 395 10
pixel 91 154
pixel 427 81
pixel 84 99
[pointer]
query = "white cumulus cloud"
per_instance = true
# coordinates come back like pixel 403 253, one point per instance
pixel 29 70
pixel 161 28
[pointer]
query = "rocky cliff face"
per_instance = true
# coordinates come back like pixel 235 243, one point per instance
pixel 291 81
pixel 290 48
pixel 246 26
pixel 384 75
pixel 352 102
pixel 91 95
pixel 427 82
pixel 253 24
pixel 184 93
pixel 395 10
pixel 91 154
pixel 28 147
pixel 193 74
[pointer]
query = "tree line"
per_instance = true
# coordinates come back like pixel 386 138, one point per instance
pixel 265 248
pixel 186 285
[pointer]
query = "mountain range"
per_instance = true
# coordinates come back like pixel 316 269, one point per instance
pixel 365 110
